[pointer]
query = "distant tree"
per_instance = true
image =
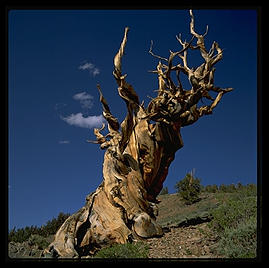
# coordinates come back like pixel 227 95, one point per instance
pixel 223 188
pixel 215 188
pixel 51 227
pixel 189 189
pixel 251 187
pixel 18 235
pixel 164 191
pixel 12 234
pixel 207 188
pixel 239 186
pixel 211 188
pixel 231 188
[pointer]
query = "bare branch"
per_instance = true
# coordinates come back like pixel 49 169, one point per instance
pixel 180 87
pixel 218 56
pixel 184 59
pixel 117 58
pixel 125 90
pixel 179 39
pixel 113 123
pixel 100 139
pixel 170 66
pixel 154 55
pixel 206 31
pixel 161 77
pixel 173 54
pixel 224 90
pixel 212 49
pixel 200 38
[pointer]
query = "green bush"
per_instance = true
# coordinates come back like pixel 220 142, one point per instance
pixel 128 250
pixel 239 242
pixel 189 189
pixel 232 212
pixel 235 222
pixel 38 240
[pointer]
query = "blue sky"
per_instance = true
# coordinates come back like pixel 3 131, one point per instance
pixel 56 58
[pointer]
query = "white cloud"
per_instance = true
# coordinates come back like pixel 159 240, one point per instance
pixel 86 100
pixel 85 122
pixel 86 66
pixel 82 96
pixel 64 142
pixel 93 70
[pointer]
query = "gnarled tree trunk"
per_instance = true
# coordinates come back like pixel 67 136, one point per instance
pixel 139 152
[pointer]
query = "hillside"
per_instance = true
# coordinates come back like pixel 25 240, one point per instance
pixel 209 228
pixel 174 213
pixel 187 234
pixel 220 225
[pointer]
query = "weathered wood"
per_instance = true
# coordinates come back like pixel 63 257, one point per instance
pixel 139 152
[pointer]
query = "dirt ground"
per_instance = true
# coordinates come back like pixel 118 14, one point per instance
pixel 184 242
pixel 194 241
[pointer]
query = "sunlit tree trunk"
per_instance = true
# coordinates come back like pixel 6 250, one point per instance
pixel 139 151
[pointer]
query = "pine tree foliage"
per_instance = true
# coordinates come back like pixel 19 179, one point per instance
pixel 51 227
pixel 189 189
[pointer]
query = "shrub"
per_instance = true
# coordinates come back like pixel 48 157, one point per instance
pixel 239 242
pixel 235 222
pixel 38 240
pixel 229 214
pixel 189 189
pixel 128 250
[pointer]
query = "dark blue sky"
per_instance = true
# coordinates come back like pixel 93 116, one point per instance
pixel 56 58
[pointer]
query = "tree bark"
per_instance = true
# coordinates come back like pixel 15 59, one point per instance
pixel 139 152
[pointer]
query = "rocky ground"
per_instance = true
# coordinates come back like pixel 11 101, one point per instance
pixel 184 242
pixel 186 232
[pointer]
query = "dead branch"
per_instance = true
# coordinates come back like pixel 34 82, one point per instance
pixel 154 55
pixel 113 124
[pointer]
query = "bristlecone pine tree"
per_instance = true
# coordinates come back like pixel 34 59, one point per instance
pixel 139 151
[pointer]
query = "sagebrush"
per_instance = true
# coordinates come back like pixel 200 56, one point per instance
pixel 128 250
pixel 235 221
